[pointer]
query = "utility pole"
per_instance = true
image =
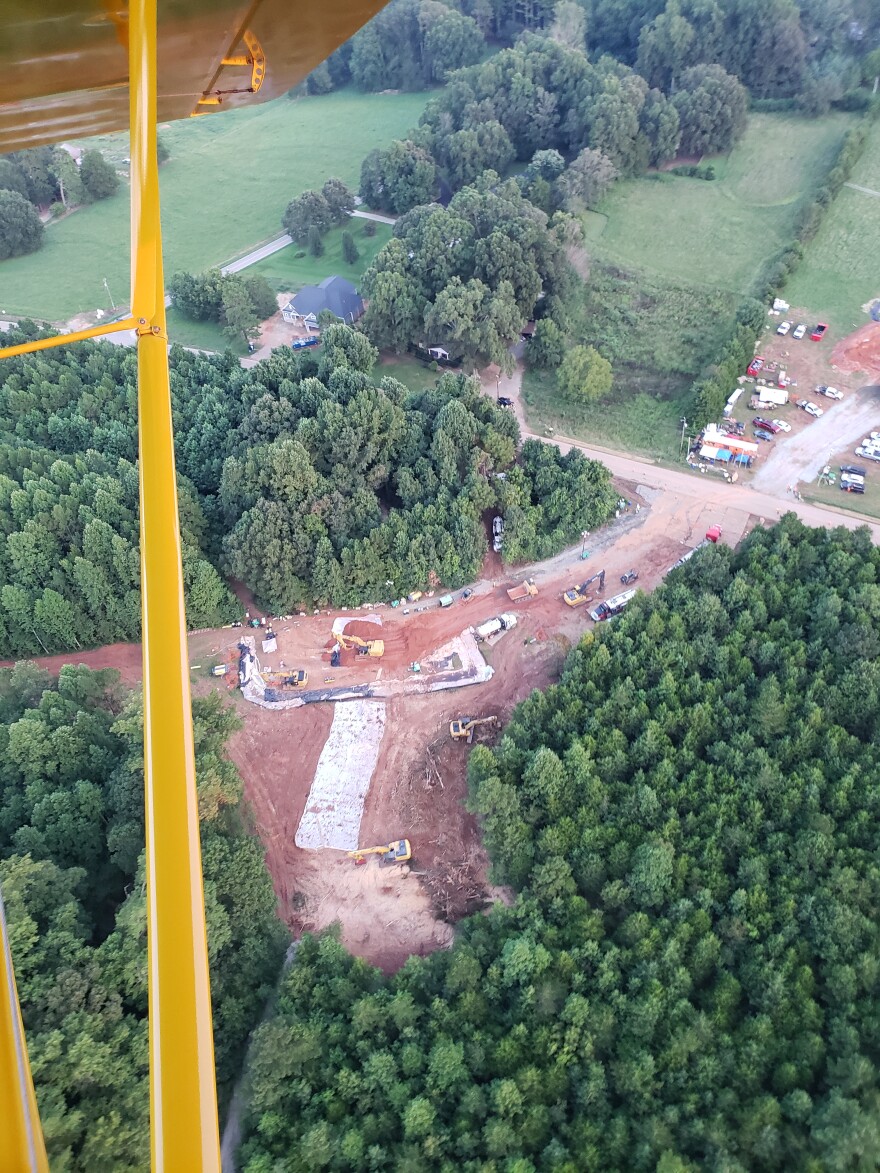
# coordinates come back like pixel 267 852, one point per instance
pixel 109 294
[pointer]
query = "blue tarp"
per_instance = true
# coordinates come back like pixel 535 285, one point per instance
pixel 723 454
pixel 742 458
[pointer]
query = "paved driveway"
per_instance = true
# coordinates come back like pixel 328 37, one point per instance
pixel 801 457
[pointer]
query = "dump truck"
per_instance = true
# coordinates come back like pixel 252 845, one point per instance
pixel 493 626
pixel 525 590
pixel 612 606
pixel 398 851
pixel 363 647
pixel 463 727
pixel 576 596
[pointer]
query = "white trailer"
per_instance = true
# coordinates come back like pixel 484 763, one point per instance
pixel 494 626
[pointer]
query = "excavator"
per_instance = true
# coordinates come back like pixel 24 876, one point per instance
pixel 398 851
pixel 464 727
pixel 577 596
pixel 71 71
pixel 363 647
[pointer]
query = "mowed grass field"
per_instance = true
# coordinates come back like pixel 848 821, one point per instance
pixel 286 271
pixel 841 271
pixel 719 234
pixel 224 189
pixel 670 259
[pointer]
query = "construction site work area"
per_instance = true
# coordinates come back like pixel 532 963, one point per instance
pixel 357 725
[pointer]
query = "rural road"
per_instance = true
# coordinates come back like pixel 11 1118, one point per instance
pixel 280 242
pixel 769 503
pixel 803 456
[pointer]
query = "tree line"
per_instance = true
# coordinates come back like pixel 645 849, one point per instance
pixel 239 302
pixel 46 177
pixel 306 477
pixel 687 978
pixel 72 873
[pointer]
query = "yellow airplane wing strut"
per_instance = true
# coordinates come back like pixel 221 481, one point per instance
pixel 183 1099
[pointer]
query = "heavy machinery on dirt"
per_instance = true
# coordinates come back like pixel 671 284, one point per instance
pixel 463 728
pixel 612 607
pixel 398 851
pixel 363 647
pixel 577 595
pixel 492 627
pixel 525 590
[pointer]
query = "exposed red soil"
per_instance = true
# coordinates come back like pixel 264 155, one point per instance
pixel 859 351
pixel 125 658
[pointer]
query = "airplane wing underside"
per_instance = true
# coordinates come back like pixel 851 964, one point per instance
pixel 64 63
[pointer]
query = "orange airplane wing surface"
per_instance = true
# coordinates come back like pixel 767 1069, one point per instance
pixel 64 63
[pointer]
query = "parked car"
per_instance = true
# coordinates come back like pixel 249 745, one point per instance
pixel 503 401
pixel 813 410
pixel 302 343
pixel 782 425
pixel 799 331
pixel 783 327
pixel 801 403
pixel 630 576
pixel 762 436
pixel 854 470
pixel 818 332
pixel 766 425
pixel 830 392
pixel 754 366
pixel 869 453
pixel 852 484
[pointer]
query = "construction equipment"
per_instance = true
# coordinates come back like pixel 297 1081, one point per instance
pixel 218 670
pixel 525 590
pixel 630 576
pixel 464 727
pixel 492 627
pixel 577 595
pixel 612 607
pixel 398 851
pixel 363 647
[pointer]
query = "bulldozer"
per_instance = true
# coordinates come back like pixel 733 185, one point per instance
pixel 464 727
pixel 363 647
pixel 398 851
pixel 577 596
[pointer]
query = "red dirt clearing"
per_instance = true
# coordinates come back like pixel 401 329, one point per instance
pixel 125 658
pixel 859 351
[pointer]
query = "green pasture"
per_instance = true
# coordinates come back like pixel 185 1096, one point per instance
pixel 224 189
pixel 718 234
pixel 293 267
pixel 642 424
pixel 841 271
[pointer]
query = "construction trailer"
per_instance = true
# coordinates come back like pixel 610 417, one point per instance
pixel 463 728
pixel 398 851
pixel 525 590
pixel 492 627
pixel 576 596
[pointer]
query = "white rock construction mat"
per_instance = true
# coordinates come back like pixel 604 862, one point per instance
pixel 332 817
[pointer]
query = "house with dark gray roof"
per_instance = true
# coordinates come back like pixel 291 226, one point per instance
pixel 334 294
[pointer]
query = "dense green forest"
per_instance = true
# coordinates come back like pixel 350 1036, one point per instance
pixel 72 873
pixel 306 477
pixel 689 977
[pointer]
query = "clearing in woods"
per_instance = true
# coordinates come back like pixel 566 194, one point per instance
pixel 224 191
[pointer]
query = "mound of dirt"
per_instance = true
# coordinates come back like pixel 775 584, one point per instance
pixel 859 351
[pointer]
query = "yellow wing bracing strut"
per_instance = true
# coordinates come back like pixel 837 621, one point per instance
pixel 183 1099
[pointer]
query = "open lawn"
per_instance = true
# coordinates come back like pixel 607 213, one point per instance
pixel 841 271
pixel 224 190
pixel 201 335
pixel 867 502
pixel 287 270
pixel 719 234
pixel 407 370
pixel 639 423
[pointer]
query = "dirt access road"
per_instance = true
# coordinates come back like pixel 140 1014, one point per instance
pixel 738 500
pixel 801 457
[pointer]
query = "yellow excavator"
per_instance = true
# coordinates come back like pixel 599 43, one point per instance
pixel 364 647
pixel 463 728
pixel 398 851
pixel 577 595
